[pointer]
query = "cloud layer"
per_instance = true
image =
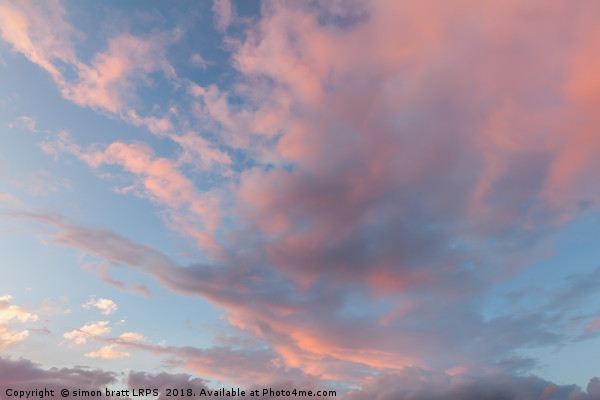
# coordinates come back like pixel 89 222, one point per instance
pixel 409 384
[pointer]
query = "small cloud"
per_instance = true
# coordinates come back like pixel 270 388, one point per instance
pixel 10 199
pixel 132 337
pixel 10 313
pixel 88 331
pixel 26 122
pixel 41 331
pixel 592 326
pixel 197 60
pixel 55 307
pixel 107 352
pixel 9 336
pixel 223 14
pixel 4 102
pixel 106 306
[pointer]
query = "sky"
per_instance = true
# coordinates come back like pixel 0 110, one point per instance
pixel 389 199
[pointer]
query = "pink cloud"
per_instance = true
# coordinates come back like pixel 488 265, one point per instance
pixel 197 60
pixel 42 183
pixel 159 180
pixel 346 336
pixel 492 142
pixel 200 152
pixel 28 123
pixel 40 33
pixel 108 82
pixel 156 125
pixel 224 13
pixel 592 326
pixel 10 199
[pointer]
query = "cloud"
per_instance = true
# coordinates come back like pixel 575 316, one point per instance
pixel 108 82
pixel 417 384
pixel 108 353
pixel 90 330
pixel 42 183
pixel 132 337
pixel 164 380
pixel 592 326
pixel 10 314
pixel 9 337
pixel 98 331
pixel 243 366
pixel 106 306
pixel 199 152
pixel 41 33
pixel 197 60
pixel 322 344
pixel 224 14
pixel 407 384
pixel 28 122
pixel 10 199
pixel 159 180
pixel 406 171
pixel 25 375
pixel 411 384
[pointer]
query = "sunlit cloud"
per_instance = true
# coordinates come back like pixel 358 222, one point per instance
pixel 10 314
pixel 107 352
pixel 106 306
pixel 90 330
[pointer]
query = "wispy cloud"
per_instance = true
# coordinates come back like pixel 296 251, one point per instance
pixel 159 180
pixel 41 33
pixel 26 122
